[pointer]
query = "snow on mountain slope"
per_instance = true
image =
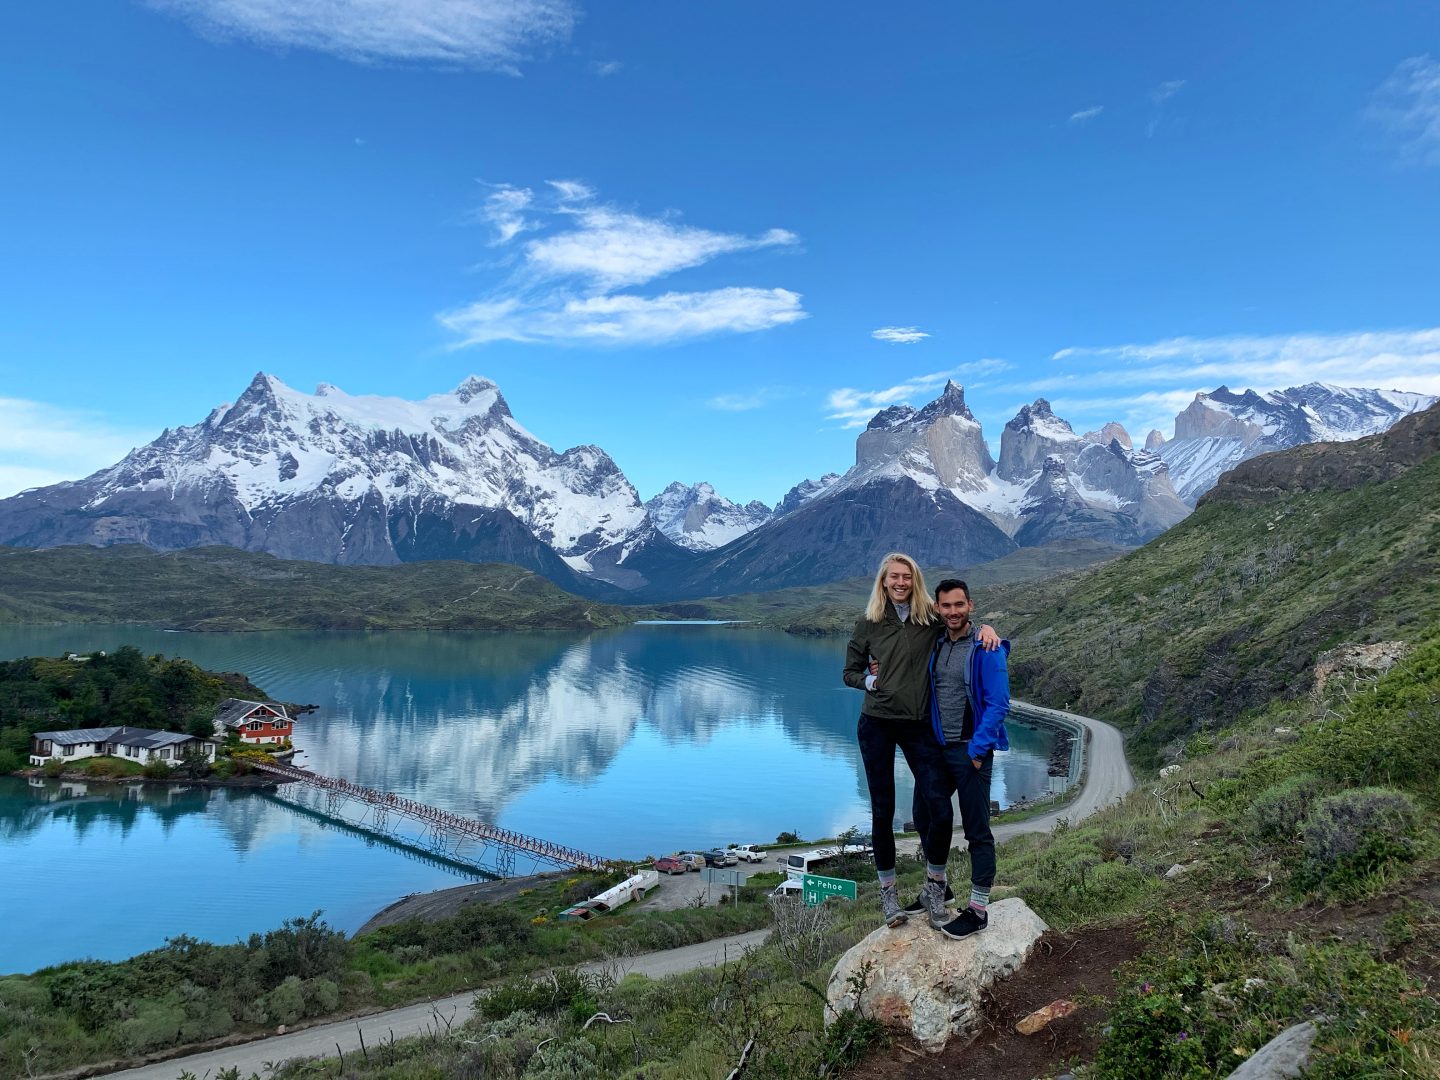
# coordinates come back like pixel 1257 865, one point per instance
pixel 698 519
pixel 1217 431
pixel 336 477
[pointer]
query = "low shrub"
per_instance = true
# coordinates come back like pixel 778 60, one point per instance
pixel 1278 812
pixel 565 990
pixel 1352 835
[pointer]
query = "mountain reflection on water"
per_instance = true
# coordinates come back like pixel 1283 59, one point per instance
pixel 625 742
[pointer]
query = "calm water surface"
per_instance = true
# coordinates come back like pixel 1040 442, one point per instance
pixel 627 742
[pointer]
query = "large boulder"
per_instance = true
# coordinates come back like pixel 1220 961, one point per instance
pixel 916 981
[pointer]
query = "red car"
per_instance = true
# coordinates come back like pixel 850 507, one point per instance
pixel 671 865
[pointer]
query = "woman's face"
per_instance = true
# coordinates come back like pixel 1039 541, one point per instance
pixel 899 582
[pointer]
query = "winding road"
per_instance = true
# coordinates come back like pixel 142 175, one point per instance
pixel 1107 779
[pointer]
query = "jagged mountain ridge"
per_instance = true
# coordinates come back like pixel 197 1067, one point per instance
pixel 336 478
pixel 1219 430
pixel 698 519
pixel 331 477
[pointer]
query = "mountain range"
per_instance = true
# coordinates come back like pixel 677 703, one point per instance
pixel 367 480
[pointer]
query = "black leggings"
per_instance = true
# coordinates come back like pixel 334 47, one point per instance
pixel 878 740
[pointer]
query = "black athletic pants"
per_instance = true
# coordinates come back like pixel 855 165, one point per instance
pixel 878 740
pixel 972 785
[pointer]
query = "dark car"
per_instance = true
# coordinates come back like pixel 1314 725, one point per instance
pixel 715 858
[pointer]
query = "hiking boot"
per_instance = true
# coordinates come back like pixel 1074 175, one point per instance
pixel 966 923
pixel 916 906
pixel 932 895
pixel 890 907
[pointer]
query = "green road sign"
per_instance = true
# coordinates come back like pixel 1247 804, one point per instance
pixel 817 889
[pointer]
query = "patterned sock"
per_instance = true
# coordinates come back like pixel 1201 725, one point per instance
pixel 935 873
pixel 887 877
pixel 979 900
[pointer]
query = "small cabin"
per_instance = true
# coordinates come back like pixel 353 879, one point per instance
pixel 256 722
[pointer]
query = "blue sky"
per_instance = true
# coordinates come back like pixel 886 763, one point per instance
pixel 674 230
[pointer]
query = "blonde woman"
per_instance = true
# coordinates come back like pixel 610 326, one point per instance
pixel 888 657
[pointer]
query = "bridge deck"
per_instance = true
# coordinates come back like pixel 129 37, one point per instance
pixel 435 818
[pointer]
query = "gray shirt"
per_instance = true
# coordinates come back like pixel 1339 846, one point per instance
pixel 952 687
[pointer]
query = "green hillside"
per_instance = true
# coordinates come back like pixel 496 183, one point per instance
pixel 1230 608
pixel 226 589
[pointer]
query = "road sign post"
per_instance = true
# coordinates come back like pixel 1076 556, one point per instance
pixel 816 889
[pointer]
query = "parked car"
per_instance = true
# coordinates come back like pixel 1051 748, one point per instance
pixel 715 858
pixel 692 859
pixel 671 865
pixel 749 853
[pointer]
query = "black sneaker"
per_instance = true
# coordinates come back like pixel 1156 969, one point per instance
pixel 918 905
pixel 966 923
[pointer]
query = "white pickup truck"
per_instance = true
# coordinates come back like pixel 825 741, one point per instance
pixel 749 853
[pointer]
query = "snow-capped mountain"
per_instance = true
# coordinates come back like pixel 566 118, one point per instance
pixel 332 477
pixel 802 493
pixel 1218 430
pixel 698 519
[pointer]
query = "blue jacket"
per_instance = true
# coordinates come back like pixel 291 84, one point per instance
pixel 989 698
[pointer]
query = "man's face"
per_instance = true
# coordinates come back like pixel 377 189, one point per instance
pixel 954 607
pixel 899 582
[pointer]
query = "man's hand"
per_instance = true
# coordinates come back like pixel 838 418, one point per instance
pixel 977 763
pixel 989 639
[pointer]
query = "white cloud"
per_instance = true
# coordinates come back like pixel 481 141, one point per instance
pixel 1407 104
pixel 899 335
pixel 1086 114
pixel 746 401
pixel 488 34
pixel 624 319
pixel 605 68
pixel 612 249
pixel 505 208
pixel 854 408
pixel 1158 97
pixel 564 285
pixel 44 444
pixel 1166 90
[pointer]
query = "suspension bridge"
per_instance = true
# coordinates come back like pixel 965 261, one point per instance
pixel 446 834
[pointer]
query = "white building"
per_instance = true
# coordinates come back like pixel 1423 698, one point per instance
pixel 137 744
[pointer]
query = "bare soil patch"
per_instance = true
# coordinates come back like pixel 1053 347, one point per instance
pixel 1062 966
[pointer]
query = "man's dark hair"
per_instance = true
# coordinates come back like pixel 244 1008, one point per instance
pixel 949 585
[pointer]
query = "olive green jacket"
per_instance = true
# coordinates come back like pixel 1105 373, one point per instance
pixel 902 690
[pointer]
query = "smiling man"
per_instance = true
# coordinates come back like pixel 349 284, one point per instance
pixel 969 700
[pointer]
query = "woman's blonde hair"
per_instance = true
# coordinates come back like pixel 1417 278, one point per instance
pixel 922 611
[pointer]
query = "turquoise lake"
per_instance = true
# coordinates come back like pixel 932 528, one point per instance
pixel 626 743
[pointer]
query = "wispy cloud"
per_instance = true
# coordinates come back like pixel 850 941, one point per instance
pixel 604 68
pixel 1158 98
pixel 564 286
pixel 853 408
pixel 1177 368
pixel 746 401
pixel 494 35
pixel 44 444
pixel 1407 104
pixel 899 335
pixel 1086 114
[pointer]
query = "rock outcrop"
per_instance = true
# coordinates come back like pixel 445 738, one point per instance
pixel 920 983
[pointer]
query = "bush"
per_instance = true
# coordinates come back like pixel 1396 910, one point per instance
pixel 1278 812
pixel 157 769
pixel 563 990
pixel 54 767
pixel 10 761
pixel 286 1003
pixel 1354 834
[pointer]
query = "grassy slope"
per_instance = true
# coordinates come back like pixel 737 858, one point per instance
pixel 226 589
pixel 1229 608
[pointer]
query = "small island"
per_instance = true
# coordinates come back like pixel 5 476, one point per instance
pixel 125 716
